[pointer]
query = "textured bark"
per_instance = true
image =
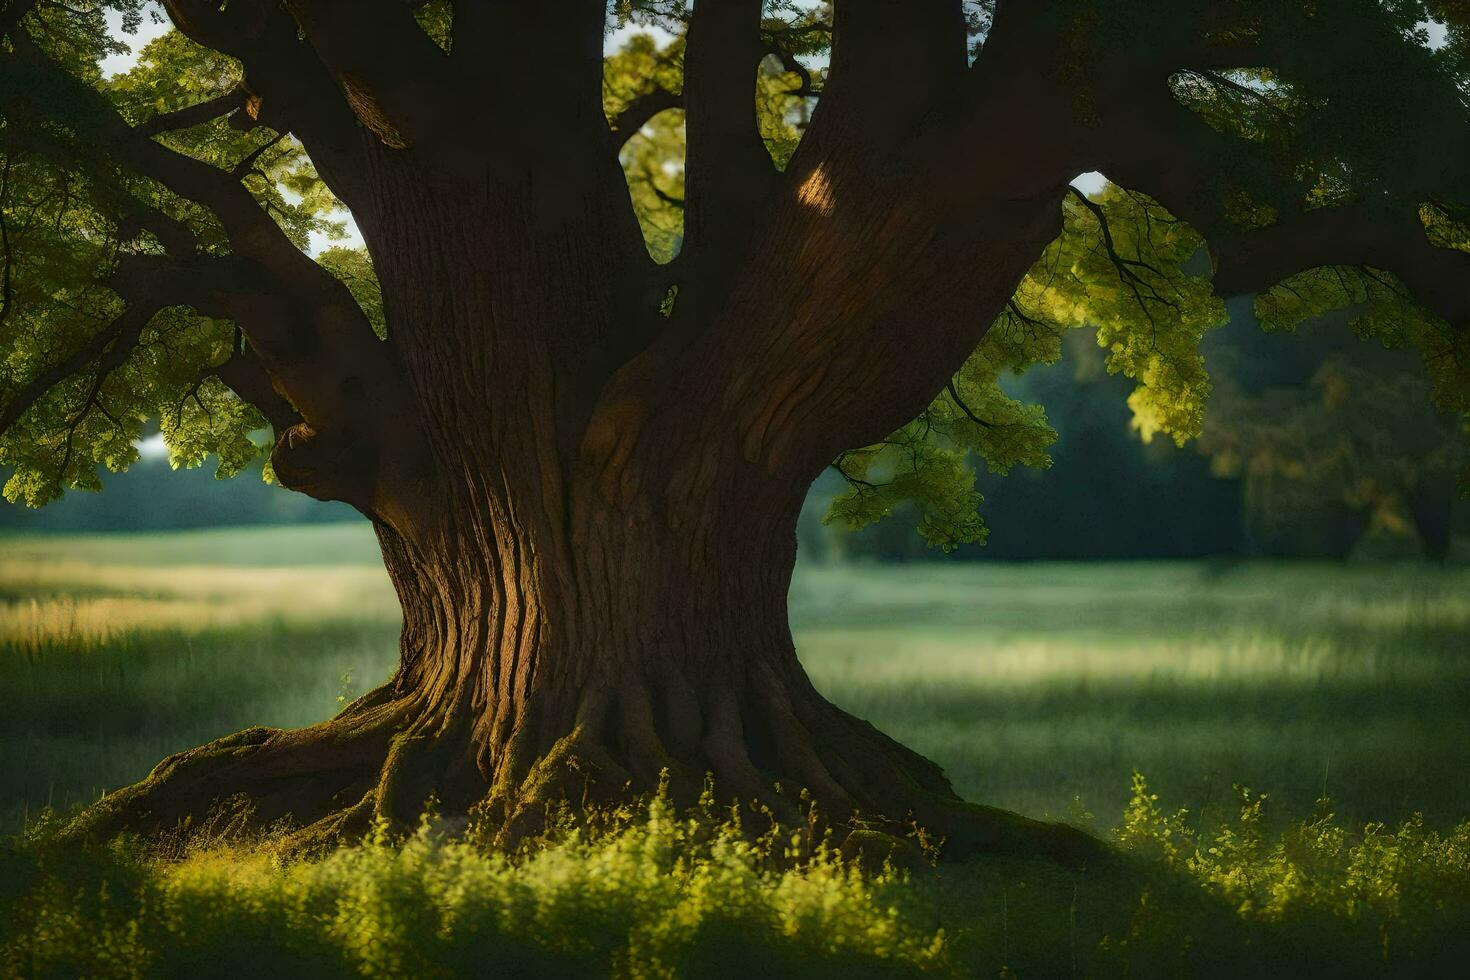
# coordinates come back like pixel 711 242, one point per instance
pixel 587 509
pixel 653 642
pixel 594 591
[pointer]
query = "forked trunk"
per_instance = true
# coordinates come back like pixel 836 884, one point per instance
pixel 593 543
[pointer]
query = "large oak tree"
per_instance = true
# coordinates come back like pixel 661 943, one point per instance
pixel 615 313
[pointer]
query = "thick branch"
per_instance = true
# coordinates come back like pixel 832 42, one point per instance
pixel 1438 277
pixel 395 78
pixel 246 376
pixel 252 234
pixel 1159 147
pixel 288 88
pixel 302 322
pixel 875 269
pixel 893 63
pixel 727 172
pixel 111 195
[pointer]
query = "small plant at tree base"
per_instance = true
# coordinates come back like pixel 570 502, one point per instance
pixel 346 690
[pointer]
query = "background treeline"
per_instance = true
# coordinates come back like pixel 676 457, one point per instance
pixel 1316 444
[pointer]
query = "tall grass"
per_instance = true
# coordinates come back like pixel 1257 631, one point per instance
pixel 658 893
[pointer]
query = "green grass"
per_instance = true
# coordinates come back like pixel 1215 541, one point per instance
pixel 1033 685
pixel 1039 687
pixel 653 893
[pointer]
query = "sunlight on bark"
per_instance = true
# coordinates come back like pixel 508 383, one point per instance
pixel 816 193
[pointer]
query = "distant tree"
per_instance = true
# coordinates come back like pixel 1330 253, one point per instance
pixel 1105 494
pixel 1332 437
pixel 585 455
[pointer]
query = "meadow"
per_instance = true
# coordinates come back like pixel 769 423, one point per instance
pixel 1039 687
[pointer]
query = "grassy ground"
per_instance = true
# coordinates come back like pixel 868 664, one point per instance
pixel 1038 687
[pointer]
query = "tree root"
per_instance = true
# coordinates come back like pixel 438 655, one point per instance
pixel 783 750
pixel 255 778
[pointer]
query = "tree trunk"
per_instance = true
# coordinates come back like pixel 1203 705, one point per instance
pixel 580 664
pixel 592 531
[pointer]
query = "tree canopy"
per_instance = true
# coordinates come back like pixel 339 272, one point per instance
pixel 1315 154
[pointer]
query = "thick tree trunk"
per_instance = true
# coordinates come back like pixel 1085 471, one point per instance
pixel 592 532
pixel 651 640
pixel 647 640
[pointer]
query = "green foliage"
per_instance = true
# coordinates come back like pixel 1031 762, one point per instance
pixel 649 891
pixel 1127 270
pixel 652 158
pixel 1399 886
pixel 355 268
pixel 173 73
pixel 436 18
pixel 68 217
pixel 1121 264
pixel 1380 309
pixel 664 894
pixel 1307 133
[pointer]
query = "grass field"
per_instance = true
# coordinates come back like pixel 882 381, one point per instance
pixel 1038 687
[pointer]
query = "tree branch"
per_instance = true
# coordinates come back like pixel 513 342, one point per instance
pixel 886 264
pixel 728 175
pixel 111 344
pixel 243 168
pixel 302 322
pixel 396 79
pixel 200 112
pixel 893 61
pixel 246 375
pixel 954 394
pixel 133 214
pixel 287 86
pixel 251 232
pixel 1439 278
pixel 791 63
pixel 637 113
pixel 1159 147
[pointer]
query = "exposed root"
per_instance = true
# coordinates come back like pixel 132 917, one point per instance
pixel 785 751
pixel 782 750
pixel 256 778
